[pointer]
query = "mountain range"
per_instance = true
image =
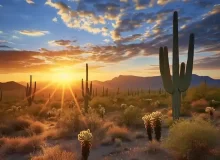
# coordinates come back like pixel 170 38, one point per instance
pixel 123 82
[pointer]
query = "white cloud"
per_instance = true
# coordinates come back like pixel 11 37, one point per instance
pixel 15 37
pixel 1 32
pixel 106 40
pixel 1 6
pixel 55 19
pixel 33 33
pixel 30 1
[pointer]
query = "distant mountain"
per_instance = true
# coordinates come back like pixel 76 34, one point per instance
pixel 134 82
pixel 8 86
pixel 123 82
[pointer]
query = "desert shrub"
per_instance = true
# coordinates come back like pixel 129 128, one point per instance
pixel 93 120
pixel 21 145
pixel 55 153
pixel 199 105
pixel 132 116
pixel 103 101
pixel 191 138
pixel 185 109
pixel 69 123
pixel 119 132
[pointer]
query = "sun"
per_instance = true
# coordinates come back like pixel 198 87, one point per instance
pixel 63 78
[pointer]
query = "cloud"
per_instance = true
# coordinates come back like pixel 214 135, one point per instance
pixel 141 4
pixel 1 32
pixel 33 33
pixel 208 63
pixel 15 37
pixel 80 19
pixel 4 46
pixel 1 6
pixel 163 2
pixel 30 1
pixel 55 19
pixel 60 42
pixel 106 40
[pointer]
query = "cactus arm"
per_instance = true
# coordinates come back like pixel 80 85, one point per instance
pixel 175 51
pixel 83 89
pixel 186 80
pixel 165 70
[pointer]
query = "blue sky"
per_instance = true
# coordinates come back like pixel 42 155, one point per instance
pixel 114 36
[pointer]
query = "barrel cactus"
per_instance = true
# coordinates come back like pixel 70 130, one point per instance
pixel 179 82
pixel 156 120
pixel 148 126
pixel 85 137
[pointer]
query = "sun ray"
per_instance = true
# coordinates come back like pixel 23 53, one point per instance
pixel 77 105
pixel 54 91
pixel 62 96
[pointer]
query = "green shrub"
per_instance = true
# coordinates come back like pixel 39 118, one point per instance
pixel 132 116
pixel 191 138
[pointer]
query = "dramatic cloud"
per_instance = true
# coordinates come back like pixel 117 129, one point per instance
pixel 30 1
pixel 33 33
pixel 81 19
pixel 163 2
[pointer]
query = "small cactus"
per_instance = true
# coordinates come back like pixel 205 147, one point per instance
pixel 101 111
pixel 85 137
pixel 156 120
pixel 147 123
pixel 211 111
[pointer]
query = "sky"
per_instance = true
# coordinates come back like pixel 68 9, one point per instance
pixel 49 38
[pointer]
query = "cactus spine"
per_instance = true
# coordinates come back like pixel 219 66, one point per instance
pixel 29 94
pixel 180 81
pixel 87 94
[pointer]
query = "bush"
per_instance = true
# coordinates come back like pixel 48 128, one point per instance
pixel 119 132
pixel 132 116
pixel 20 145
pixel 199 105
pixel 55 153
pixel 191 138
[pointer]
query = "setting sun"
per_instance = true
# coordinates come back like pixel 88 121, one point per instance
pixel 63 77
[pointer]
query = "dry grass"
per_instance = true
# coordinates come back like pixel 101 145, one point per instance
pixel 55 153
pixel 21 145
pixel 119 132
pixel 37 127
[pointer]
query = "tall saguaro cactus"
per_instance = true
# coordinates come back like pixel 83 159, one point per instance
pixel 87 93
pixel 179 82
pixel 29 94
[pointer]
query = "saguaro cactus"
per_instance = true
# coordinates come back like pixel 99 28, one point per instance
pixel 180 81
pixel 87 94
pixel 29 94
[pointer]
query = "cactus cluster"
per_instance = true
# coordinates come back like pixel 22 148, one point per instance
pixel 87 94
pixel 179 82
pixel 152 122
pixel 85 137
pixel 211 111
pixel 148 126
pixel 29 94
